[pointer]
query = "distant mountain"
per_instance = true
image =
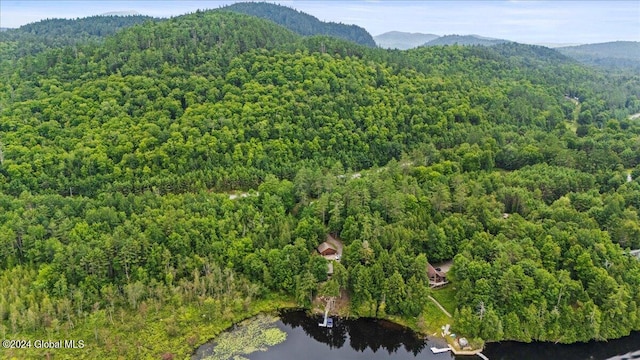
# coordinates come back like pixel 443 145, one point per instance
pixel 617 49
pixel 402 40
pixel 556 45
pixel 3 29
pixel 465 40
pixel 543 56
pixel 302 23
pixel 121 13
pixel 617 54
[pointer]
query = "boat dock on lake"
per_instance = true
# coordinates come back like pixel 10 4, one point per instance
pixel 436 350
pixel 328 321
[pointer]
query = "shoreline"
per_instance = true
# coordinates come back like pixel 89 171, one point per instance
pixel 280 305
pixel 425 334
pixel 438 338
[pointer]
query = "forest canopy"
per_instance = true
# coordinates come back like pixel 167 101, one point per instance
pixel 117 159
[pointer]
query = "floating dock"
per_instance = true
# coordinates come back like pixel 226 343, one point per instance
pixel 436 350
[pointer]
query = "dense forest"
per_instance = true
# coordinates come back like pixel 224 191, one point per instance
pixel 302 23
pixel 36 37
pixel 117 159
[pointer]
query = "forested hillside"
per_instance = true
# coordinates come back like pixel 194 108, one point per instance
pixel 52 33
pixel 117 159
pixel 617 55
pixel 302 23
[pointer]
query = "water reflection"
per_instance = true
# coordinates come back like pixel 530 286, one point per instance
pixel 365 339
pixel 377 339
pixel 363 334
pixel 626 348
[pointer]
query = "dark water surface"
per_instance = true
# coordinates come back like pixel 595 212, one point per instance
pixel 348 339
pixel 378 339
pixel 626 348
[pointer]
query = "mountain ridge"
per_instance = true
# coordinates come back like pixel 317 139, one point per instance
pixel 302 23
pixel 56 33
pixel 402 40
pixel 465 40
pixel 611 55
pixel 620 48
pixel 121 13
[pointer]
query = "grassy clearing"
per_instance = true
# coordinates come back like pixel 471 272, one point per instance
pixel 446 297
pixel 429 322
pixel 432 319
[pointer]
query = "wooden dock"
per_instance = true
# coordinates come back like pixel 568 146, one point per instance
pixel 328 322
pixel 469 353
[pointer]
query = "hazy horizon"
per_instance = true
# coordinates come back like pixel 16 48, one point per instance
pixel 569 22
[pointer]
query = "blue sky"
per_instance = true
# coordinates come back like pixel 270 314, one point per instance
pixel 523 21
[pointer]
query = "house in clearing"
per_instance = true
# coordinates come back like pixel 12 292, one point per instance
pixel 437 278
pixel 326 249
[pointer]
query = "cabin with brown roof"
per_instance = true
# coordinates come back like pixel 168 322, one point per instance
pixel 437 278
pixel 326 249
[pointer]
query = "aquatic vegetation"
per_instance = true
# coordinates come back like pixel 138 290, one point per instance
pixel 251 335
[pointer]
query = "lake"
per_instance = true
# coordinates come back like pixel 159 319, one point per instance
pixel 379 339
pixel 626 348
